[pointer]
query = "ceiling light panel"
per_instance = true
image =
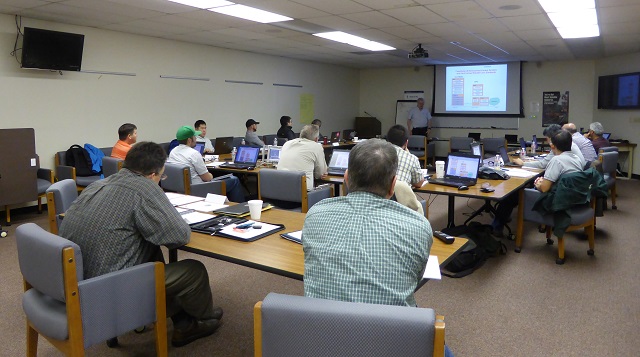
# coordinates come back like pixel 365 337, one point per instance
pixel 203 4
pixel 251 13
pixel 356 41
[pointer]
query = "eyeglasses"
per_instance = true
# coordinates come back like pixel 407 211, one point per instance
pixel 163 177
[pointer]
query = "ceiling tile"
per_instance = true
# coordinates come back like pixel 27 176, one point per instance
pixel 535 35
pixel 286 8
pixel 337 23
pixel 374 19
pixel 527 7
pixel 460 11
pixel 386 4
pixel 628 13
pixel 415 15
pixel 533 22
pixel 335 7
pixel 484 25
pixel 405 31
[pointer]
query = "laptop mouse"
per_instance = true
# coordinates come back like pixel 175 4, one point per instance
pixel 463 188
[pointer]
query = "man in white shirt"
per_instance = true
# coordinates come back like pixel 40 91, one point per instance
pixel 419 120
pixel 584 144
pixel 304 154
pixel 185 154
pixel 201 126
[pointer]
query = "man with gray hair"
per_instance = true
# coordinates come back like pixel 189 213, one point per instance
pixel 584 144
pixel 542 163
pixel 595 135
pixel 304 154
pixel 364 247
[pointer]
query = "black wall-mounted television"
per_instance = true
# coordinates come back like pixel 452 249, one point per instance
pixel 619 91
pixel 46 49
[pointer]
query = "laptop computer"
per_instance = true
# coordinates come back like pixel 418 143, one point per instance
pixel 475 148
pixel 339 162
pixel 475 136
pixel 274 154
pixel 461 170
pixel 200 148
pixel 246 157
pixel 224 145
pixel 606 135
pixel 523 147
pixel 348 134
pixel 335 136
pixel 505 157
pixel 511 138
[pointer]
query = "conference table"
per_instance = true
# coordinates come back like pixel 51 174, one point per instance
pixel 626 147
pixel 277 255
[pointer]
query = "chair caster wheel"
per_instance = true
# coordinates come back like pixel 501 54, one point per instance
pixel 140 329
pixel 112 342
pixel 614 207
pixel 590 252
pixel 559 261
pixel 549 241
pixel 517 250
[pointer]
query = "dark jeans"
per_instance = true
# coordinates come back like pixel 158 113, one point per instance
pixel 419 131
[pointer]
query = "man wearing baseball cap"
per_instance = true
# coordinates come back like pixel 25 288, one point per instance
pixel 251 138
pixel 185 154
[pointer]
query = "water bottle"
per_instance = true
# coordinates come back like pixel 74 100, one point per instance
pixel 233 154
pixel 275 141
pixel 496 161
pixel 242 143
pixel 533 147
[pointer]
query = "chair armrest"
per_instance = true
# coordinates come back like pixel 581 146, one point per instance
pixel 202 189
pixel 530 197
pixel 317 195
pixel 118 302
pixel 65 172
pixel 45 174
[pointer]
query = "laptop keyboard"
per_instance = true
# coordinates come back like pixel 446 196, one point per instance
pixel 336 172
pixel 451 183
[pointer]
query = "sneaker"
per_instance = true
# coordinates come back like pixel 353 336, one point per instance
pixel 198 329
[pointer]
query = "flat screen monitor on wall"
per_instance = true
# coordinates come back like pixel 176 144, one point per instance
pixel 53 50
pixel 620 91
pixel 484 90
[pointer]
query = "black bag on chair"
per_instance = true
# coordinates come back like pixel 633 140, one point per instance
pixel 78 157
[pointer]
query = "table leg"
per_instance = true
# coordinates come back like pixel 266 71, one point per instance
pixel 520 224
pixel 630 163
pixel 451 212
pixel 173 255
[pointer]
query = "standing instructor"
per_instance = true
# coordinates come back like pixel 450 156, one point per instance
pixel 419 120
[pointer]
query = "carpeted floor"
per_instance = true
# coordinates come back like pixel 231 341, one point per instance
pixel 515 305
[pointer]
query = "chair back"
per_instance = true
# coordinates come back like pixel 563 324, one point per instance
pixel 178 178
pixel 237 141
pixel 286 325
pixel 111 165
pixel 608 149
pixel 492 145
pixel 60 196
pixel 281 141
pixel 282 185
pixel 609 162
pixel 459 143
pixel 268 139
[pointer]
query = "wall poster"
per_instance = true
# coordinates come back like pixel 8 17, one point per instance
pixel 555 108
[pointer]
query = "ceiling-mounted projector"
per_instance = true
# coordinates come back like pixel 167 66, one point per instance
pixel 418 52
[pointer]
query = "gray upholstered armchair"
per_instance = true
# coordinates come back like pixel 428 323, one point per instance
pixel 74 313
pixel 419 147
pixel 179 180
pixel 60 196
pixel 286 325
pixel 111 165
pixel 280 186
pixel 460 143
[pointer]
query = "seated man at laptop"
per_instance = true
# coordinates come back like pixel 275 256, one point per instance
pixel 201 126
pixel 128 135
pixel 409 169
pixel 542 163
pixel 122 221
pixel 585 145
pixel 185 154
pixel 364 247
pixel 595 135
pixel 285 130
pixel 304 154
pixel 250 137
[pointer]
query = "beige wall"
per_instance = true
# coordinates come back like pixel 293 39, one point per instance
pixel 76 108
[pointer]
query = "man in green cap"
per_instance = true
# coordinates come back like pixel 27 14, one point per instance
pixel 185 154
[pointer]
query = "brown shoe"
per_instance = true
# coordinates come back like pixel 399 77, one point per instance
pixel 197 329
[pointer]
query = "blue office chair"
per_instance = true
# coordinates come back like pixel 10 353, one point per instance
pixel 179 180
pixel 286 189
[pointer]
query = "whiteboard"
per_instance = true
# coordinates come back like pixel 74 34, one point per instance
pixel 402 110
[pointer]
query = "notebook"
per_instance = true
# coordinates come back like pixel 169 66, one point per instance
pixel 246 157
pixel 339 162
pixel 461 170
pixel 274 154
pixel 224 145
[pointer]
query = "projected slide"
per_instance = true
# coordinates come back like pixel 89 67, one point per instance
pixel 478 88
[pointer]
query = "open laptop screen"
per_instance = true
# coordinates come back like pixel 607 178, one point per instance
pixel 247 155
pixel 274 153
pixel 199 147
pixel 459 165
pixel 335 136
pixel 224 145
pixel 606 135
pixel 475 148
pixel 340 159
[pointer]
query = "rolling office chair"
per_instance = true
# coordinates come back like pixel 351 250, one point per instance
pixel 74 313
pixel 459 143
pixel 492 146
pixel 60 197
pixel 268 139
pixel 609 162
pixel 288 190
pixel 286 325
pixel 179 180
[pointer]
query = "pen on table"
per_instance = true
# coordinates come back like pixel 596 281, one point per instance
pixel 246 225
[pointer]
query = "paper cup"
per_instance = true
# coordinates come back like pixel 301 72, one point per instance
pixel 439 169
pixel 255 208
pixel 355 138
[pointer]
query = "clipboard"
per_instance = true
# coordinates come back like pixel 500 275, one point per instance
pixel 223 226
pixel 295 236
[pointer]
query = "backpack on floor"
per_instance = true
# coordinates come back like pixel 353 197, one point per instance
pixel 480 247
pixel 78 157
